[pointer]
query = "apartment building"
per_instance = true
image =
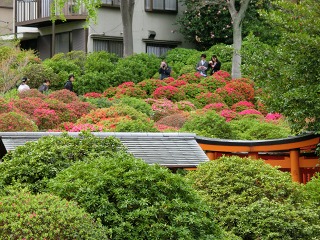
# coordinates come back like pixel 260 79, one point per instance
pixel 155 28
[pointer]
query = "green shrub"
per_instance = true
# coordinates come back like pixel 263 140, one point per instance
pixel 16 122
pixel 92 82
pixel 101 61
pixel 35 162
pixel 135 200
pixel 138 104
pixel 37 73
pixel 254 200
pixel 313 189
pixel 149 85
pixel 136 126
pixel 208 124
pixel 44 216
pixel 99 102
pixel 247 128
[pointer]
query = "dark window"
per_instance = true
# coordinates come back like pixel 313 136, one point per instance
pixel 110 3
pixel 108 46
pixel 62 43
pixel 161 5
pixel 159 49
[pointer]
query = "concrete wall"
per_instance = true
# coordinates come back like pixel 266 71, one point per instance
pixel 6 17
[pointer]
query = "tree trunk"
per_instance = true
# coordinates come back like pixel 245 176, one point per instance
pixel 237 17
pixel 126 7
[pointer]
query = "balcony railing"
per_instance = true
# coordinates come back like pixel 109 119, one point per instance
pixel 31 10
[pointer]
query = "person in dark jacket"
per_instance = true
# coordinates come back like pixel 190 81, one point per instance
pixel 164 70
pixel 69 85
pixel 44 86
pixel 214 64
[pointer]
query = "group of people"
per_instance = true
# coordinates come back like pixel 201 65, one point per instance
pixel 44 87
pixel 202 67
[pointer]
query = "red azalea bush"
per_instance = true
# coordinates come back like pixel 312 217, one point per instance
pixel 222 74
pixel 130 91
pixel 177 83
pixel 212 83
pixel 193 89
pixel 191 77
pixel 162 108
pixel 242 105
pixel 16 122
pixel 169 92
pixel 5 106
pixel 126 85
pixel 250 112
pixel 64 95
pixel 110 92
pixel 29 104
pixel 186 106
pixel 207 98
pixel 218 107
pixel 228 114
pixel 168 80
pixel 61 109
pixel 45 118
pixel 175 120
pixel 31 93
pixel 78 109
pixel 150 85
pixel 230 95
pixel 93 95
pixel 241 90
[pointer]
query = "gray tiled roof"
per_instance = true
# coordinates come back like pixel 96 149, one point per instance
pixel 167 149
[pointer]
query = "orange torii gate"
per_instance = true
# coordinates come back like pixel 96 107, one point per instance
pixel 294 154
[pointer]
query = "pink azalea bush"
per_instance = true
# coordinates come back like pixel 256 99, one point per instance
pixel 186 106
pixel 45 118
pixel 169 92
pixel 29 104
pixel 16 122
pixel 228 114
pixel 64 95
pixel 242 105
pixel 218 107
pixel 250 112
pixel 31 93
pixel 93 95
pixel 162 108
pixel 191 77
pixel 273 116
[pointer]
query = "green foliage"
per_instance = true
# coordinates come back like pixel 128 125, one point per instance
pixel 35 162
pixel 135 200
pixel 37 73
pixel 253 129
pixel 138 125
pixel 99 102
pixel 44 216
pixel 209 124
pixel 254 200
pixel 312 187
pixel 177 59
pixel 92 82
pixel 138 104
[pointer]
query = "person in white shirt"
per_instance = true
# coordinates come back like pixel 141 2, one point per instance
pixel 202 65
pixel 23 86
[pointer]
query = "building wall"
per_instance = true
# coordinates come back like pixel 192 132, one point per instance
pixel 6 17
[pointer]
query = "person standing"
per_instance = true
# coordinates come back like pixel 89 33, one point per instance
pixel 164 70
pixel 214 64
pixel 202 65
pixel 44 86
pixel 69 84
pixel 23 86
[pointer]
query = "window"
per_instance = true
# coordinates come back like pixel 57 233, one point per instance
pixel 62 43
pixel 159 49
pixel 112 46
pixel 110 3
pixel 161 5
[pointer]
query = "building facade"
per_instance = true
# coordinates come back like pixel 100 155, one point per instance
pixel 155 28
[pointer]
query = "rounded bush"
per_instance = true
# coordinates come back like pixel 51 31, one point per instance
pixel 135 200
pixel 169 92
pixel 64 95
pixel 16 122
pixel 254 200
pixel 35 162
pixel 44 216
pixel 149 85
pixel 138 104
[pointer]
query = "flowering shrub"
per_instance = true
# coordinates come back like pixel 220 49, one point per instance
pixel 242 105
pixel 150 85
pixel 250 112
pixel 177 83
pixel 93 95
pixel 64 113
pixel 31 93
pixel 127 85
pixel 64 95
pixel 208 97
pixel 110 92
pixel 212 83
pixel 191 77
pixel 222 74
pixel 186 106
pixel 165 128
pixel 78 109
pixel 273 116
pixel 193 89
pixel 169 92
pixel 230 95
pixel 45 118
pixel 162 108
pixel 5 106
pixel 130 91
pixel 228 114
pixel 85 127
pixel 218 107
pixel 29 104
pixel 15 122
pixel 175 120
pixel 169 80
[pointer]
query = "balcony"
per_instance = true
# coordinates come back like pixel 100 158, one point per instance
pixel 37 13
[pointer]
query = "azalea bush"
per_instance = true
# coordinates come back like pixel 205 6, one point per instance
pixel 169 92
pixel 64 95
pixel 135 200
pixel 149 85
pixel 254 200
pixel 16 122
pixel 45 216
pixel 162 108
